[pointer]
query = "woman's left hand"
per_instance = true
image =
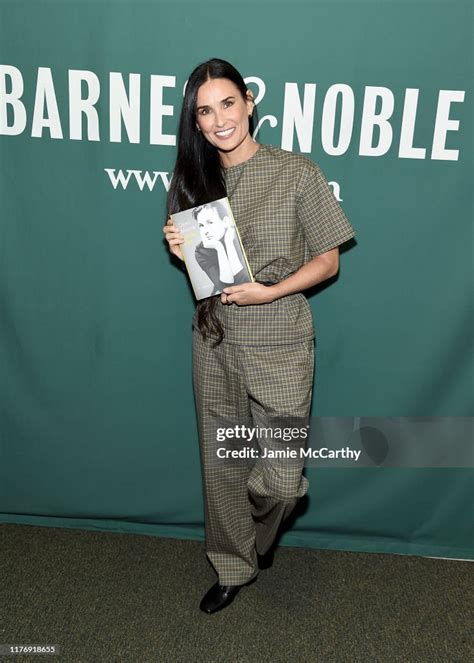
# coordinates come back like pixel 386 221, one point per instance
pixel 248 293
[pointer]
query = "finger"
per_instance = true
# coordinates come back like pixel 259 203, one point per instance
pixel 234 289
pixel 173 235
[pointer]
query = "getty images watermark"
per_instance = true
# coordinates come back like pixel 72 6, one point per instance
pixel 271 439
pixel 344 441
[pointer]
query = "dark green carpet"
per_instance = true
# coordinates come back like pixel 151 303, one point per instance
pixel 124 597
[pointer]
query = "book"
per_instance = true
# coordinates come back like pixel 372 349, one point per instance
pixel 212 249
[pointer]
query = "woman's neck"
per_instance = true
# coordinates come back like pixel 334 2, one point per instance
pixel 240 154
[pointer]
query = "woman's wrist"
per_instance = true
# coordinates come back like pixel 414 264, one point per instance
pixel 275 292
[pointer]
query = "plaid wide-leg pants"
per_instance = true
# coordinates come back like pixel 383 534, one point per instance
pixel 244 505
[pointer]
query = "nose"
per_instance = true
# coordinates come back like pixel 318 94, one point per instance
pixel 219 118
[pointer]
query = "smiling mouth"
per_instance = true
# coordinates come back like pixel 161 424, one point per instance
pixel 224 134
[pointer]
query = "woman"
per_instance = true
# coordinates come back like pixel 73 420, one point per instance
pixel 253 345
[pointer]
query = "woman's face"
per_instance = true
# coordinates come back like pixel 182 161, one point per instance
pixel 223 117
pixel 211 226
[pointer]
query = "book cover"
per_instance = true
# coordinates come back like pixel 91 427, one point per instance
pixel 212 249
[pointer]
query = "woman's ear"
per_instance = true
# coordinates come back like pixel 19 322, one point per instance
pixel 250 102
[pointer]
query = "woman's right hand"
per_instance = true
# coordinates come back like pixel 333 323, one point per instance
pixel 174 239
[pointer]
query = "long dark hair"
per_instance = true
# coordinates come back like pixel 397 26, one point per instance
pixel 198 177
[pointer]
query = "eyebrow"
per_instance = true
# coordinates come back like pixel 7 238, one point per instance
pixel 222 102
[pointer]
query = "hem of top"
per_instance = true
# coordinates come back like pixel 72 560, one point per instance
pixel 340 241
pixel 264 343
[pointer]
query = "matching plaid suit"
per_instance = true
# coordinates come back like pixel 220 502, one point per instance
pixel 286 214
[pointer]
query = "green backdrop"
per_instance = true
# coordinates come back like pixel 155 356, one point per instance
pixel 97 416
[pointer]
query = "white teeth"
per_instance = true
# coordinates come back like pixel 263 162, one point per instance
pixel 225 133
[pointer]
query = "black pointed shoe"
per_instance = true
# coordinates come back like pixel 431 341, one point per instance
pixel 220 596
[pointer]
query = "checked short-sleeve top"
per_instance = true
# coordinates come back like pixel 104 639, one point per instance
pixel 286 214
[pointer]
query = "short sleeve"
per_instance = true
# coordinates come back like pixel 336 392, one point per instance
pixel 324 223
